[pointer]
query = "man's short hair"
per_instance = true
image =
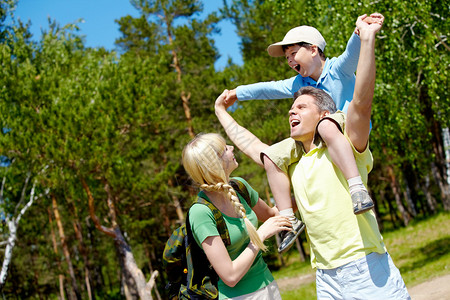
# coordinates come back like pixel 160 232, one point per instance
pixel 323 100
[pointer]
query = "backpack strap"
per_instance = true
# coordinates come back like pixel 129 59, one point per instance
pixel 220 221
pixel 241 189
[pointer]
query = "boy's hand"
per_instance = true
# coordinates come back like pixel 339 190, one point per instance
pixel 231 97
pixel 221 102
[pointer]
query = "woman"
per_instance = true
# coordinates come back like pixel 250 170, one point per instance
pixel 242 271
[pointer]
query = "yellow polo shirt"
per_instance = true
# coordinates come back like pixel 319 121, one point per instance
pixel 336 235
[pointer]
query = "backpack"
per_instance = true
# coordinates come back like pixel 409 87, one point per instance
pixel 190 275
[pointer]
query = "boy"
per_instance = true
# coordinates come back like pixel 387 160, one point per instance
pixel 303 48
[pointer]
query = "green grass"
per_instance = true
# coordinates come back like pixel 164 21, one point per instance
pixel 421 251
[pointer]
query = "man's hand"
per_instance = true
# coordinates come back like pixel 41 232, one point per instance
pixel 376 19
pixel 370 24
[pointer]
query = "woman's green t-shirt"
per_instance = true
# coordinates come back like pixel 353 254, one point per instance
pixel 203 225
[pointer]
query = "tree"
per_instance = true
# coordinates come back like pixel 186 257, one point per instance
pixel 13 224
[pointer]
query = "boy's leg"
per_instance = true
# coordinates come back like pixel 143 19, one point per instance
pixel 281 189
pixel 342 156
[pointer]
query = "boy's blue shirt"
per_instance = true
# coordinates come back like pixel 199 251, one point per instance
pixel 337 79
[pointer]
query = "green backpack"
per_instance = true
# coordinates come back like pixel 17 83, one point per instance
pixel 189 277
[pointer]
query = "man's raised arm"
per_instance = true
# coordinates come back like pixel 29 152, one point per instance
pixel 246 141
pixel 359 111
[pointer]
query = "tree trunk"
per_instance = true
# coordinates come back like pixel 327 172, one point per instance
pixel 133 275
pixel 439 139
pixel 13 224
pixel 409 201
pixel 97 279
pixel 153 256
pixel 75 292
pixel 398 200
pixel 392 211
pixel 431 202
pixel 440 167
pixel 130 266
pixel 82 249
pixel 55 249
pixel 446 141
pixel 185 97
pixel 11 242
pixel 176 203
pixel 443 186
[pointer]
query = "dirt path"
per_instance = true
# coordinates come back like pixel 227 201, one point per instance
pixel 433 289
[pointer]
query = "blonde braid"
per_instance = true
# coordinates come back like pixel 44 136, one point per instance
pixel 212 187
pixel 240 210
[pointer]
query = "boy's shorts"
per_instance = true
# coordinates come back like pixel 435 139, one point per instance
pixel 289 151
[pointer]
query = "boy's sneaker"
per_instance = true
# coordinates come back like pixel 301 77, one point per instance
pixel 361 202
pixel 288 237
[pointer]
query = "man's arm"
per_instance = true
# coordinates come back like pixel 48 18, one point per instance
pixel 359 111
pixel 246 141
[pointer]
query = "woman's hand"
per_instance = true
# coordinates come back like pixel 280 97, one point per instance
pixel 272 226
pixel 221 102
pixel 231 97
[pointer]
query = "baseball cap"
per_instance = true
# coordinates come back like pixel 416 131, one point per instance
pixel 296 35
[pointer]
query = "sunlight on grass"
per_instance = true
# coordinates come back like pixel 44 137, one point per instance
pixel 421 252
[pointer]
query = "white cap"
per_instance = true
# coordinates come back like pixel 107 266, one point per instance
pixel 306 34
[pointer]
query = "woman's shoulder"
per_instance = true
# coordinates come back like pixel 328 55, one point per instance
pixel 199 208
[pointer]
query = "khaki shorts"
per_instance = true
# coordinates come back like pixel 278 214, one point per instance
pixel 270 292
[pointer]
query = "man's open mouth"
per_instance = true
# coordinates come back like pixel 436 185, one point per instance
pixel 297 68
pixel 295 123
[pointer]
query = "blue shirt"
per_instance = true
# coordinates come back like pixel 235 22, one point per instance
pixel 337 79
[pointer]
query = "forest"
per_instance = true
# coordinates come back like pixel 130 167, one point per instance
pixel 92 184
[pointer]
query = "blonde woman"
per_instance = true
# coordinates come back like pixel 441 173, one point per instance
pixel 242 272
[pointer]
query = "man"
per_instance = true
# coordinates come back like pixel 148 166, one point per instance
pixel 347 249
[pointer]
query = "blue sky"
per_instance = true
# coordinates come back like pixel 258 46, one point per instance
pixel 98 24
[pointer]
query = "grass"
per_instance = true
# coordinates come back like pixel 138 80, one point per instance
pixel 421 251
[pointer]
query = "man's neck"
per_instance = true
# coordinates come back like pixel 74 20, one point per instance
pixel 308 145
